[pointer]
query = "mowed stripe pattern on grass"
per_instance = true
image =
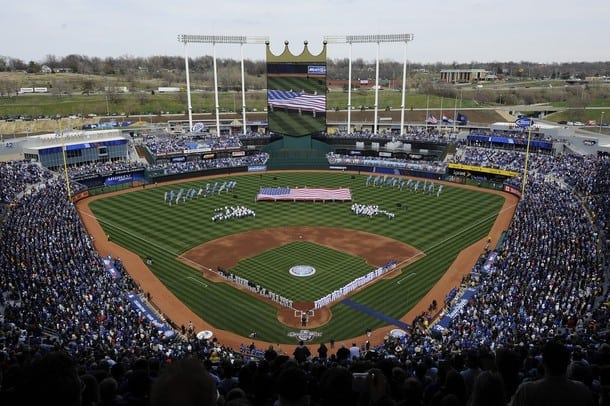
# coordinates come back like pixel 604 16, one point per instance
pixel 270 269
pixel 441 227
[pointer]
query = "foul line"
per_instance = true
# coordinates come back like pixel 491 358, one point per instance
pixel 101 221
pixel 179 257
pixel 406 277
pixel 205 285
pixel 452 237
pixel 467 229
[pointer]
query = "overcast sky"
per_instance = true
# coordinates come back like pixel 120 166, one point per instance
pixel 445 31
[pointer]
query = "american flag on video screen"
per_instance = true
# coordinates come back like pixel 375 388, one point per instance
pixel 286 193
pixel 295 100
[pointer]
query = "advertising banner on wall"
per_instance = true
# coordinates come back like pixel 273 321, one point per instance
pixel 124 178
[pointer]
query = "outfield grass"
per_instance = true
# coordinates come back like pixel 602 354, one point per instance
pixel 441 227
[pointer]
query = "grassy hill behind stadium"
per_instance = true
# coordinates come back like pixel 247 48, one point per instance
pixel 441 227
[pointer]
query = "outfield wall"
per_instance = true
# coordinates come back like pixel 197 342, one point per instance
pixel 297 153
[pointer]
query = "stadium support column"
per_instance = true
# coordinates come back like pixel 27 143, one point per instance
pixel 216 104
pixel 408 37
pixel 221 39
pixel 370 39
pixel 349 90
pixel 242 41
pixel 188 88
pixel 243 88
pixel 375 122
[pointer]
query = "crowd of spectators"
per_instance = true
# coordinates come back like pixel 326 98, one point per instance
pixel 105 168
pixel 490 158
pixel 166 143
pixel 386 162
pixel 17 176
pixel 201 165
pixel 56 295
pixel 70 335
pixel 253 134
pixel 516 134
pixel 414 133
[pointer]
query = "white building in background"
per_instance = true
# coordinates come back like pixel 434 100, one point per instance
pixel 463 75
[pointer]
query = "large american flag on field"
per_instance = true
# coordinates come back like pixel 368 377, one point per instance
pixel 304 194
pixel 296 100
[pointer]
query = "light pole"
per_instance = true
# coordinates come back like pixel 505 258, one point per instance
pixel 219 39
pixel 601 121
pixel 373 39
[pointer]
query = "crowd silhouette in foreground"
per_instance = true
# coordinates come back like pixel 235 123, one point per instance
pixel 535 333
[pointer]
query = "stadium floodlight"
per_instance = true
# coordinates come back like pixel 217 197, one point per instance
pixel 373 39
pixel 362 39
pixel 212 39
pixel 218 39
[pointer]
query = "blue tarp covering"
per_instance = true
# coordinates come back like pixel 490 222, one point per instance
pixel 139 305
pixel 109 267
pixel 457 306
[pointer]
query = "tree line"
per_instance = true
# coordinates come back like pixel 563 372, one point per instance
pixel 162 67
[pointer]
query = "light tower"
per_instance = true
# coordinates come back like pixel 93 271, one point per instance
pixel 374 39
pixel 218 39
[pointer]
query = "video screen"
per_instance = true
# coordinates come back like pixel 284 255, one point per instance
pixel 296 97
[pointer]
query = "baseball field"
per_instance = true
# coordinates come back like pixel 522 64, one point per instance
pixel 425 234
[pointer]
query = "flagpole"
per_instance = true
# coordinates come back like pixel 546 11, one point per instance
pixel 527 154
pixel 63 152
pixel 454 113
pixel 440 119
pixel 427 113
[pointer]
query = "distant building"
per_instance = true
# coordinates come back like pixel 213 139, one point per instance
pixel 116 89
pixel 80 147
pixel 62 70
pixel 603 78
pixel 463 75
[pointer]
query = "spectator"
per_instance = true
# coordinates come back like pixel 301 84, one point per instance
pixel 301 353
pixel 184 383
pixel 52 380
pixel 554 388
pixel 488 390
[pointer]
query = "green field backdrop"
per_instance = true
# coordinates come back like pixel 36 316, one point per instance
pixel 440 227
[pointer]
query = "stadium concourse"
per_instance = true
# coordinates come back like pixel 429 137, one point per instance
pixel 535 317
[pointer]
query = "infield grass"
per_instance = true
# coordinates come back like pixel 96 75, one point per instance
pixel 270 269
pixel 440 227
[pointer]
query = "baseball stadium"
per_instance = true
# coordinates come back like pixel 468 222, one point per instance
pixel 404 250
